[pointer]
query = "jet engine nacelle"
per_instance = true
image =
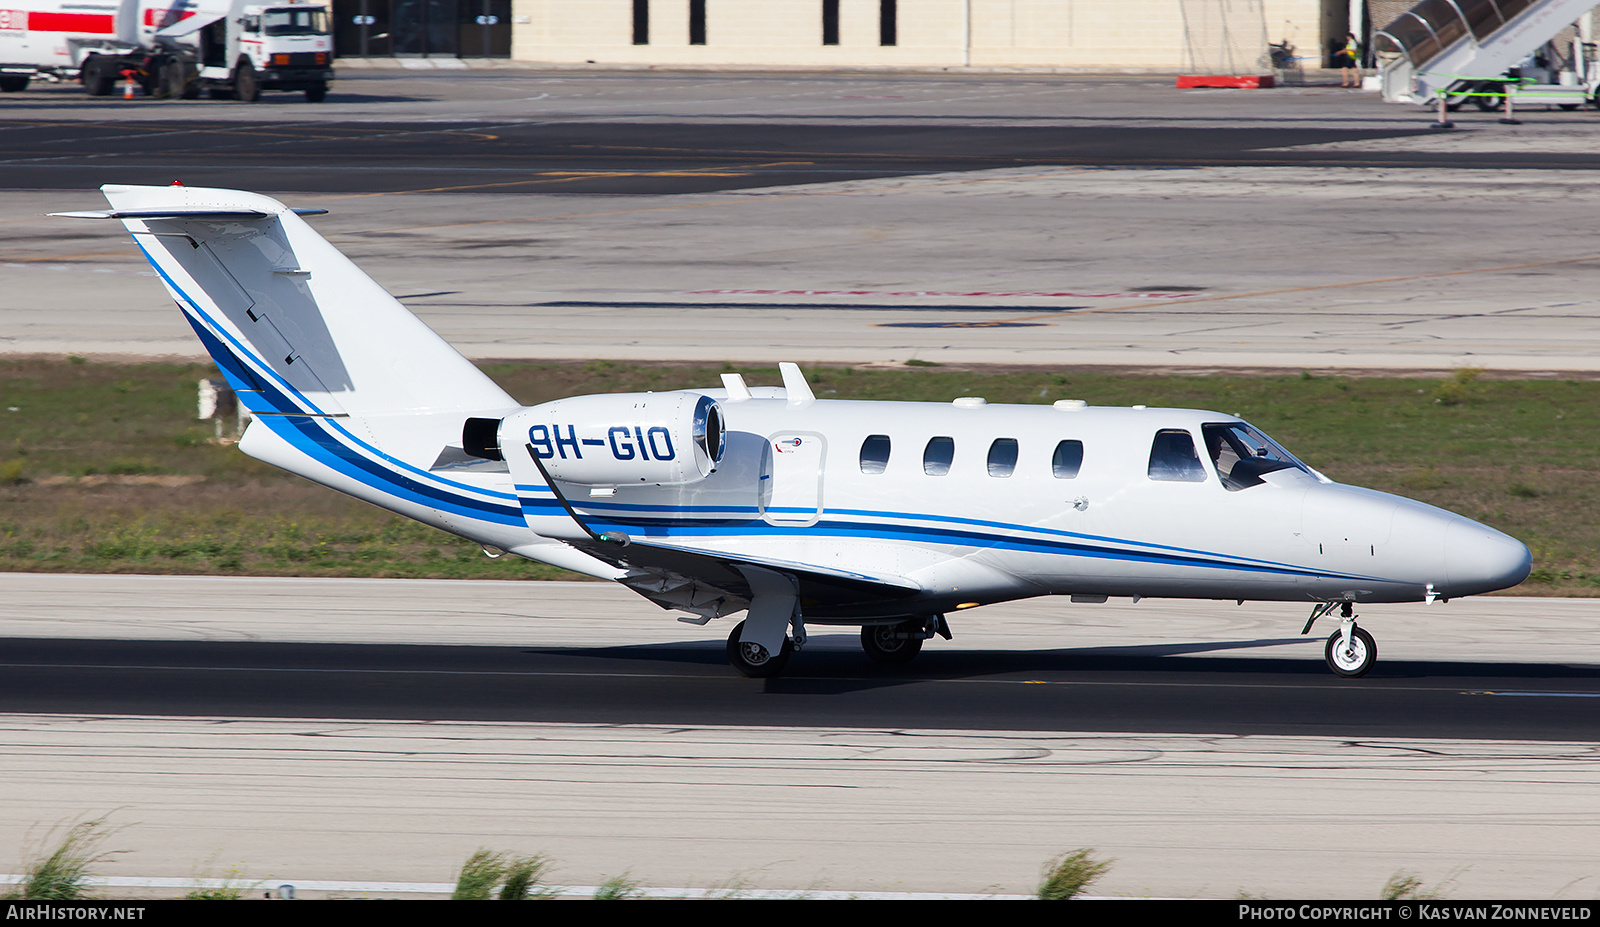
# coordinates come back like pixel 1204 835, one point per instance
pixel 620 439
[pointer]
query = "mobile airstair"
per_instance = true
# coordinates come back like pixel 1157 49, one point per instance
pixel 1451 45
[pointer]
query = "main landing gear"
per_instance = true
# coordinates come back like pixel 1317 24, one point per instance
pixel 752 659
pixel 898 644
pixel 891 644
pixel 1350 651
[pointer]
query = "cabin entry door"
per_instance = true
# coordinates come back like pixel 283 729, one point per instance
pixel 793 474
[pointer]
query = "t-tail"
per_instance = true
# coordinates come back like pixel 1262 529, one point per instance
pixel 345 386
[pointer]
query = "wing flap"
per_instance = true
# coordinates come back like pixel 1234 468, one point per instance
pixel 720 570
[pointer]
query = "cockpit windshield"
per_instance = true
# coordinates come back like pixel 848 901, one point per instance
pixel 1242 454
pixel 305 21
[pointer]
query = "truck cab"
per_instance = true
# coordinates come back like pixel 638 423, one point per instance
pixel 272 47
pixel 239 50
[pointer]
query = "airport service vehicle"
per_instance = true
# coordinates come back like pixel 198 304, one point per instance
pixel 767 500
pixel 171 48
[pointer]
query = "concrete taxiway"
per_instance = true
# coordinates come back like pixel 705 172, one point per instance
pixel 854 219
pixel 887 803
pixel 1295 267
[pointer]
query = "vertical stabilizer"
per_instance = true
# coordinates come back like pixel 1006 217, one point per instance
pixel 292 322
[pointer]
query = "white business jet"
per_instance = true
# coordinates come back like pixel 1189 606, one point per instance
pixel 795 510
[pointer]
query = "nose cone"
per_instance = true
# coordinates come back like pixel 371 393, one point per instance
pixel 1481 559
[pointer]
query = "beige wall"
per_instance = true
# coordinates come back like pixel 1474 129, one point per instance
pixel 1087 34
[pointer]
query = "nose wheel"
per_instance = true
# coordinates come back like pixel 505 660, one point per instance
pixel 1351 651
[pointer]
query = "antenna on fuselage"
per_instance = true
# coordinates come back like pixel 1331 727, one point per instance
pixel 795 385
pixel 735 385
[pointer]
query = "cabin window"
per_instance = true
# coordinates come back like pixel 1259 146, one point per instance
pixel 1067 460
pixel 875 454
pixel 938 455
pixel 1003 457
pixel 1172 458
pixel 1242 454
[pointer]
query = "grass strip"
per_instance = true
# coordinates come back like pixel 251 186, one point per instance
pixel 104 468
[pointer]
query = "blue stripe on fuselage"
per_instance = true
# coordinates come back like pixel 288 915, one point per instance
pixel 1080 545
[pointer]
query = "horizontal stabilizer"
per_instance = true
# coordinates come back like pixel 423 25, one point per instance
pixel 244 214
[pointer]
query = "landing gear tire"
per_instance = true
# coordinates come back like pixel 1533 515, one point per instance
pixel 752 659
pixel 246 86
pixel 891 644
pixel 1353 660
pixel 13 83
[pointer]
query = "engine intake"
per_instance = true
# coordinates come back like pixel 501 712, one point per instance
pixel 480 437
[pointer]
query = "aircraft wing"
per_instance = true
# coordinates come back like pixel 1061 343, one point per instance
pixel 720 569
pixel 713 583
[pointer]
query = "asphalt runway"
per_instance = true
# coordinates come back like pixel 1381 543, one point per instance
pixel 650 159
pixel 380 731
pixel 1136 672
pixel 614 134
pixel 951 686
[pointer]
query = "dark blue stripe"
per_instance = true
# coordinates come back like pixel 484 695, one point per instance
pixel 663 528
pixel 309 435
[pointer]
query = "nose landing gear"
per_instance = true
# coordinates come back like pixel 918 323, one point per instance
pixel 1350 651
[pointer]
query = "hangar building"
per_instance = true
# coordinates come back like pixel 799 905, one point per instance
pixel 1070 35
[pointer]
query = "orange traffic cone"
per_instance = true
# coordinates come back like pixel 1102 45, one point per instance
pixel 127 87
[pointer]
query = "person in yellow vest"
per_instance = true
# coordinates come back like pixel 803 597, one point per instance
pixel 1349 62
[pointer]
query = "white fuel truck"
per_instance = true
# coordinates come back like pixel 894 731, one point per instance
pixel 169 48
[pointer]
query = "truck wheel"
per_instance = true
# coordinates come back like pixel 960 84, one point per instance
pixel 246 86
pixel 171 84
pixel 13 83
pixel 97 77
pixel 317 94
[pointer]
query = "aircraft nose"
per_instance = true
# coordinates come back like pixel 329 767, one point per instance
pixel 1481 559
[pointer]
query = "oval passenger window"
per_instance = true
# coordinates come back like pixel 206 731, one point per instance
pixel 875 454
pixel 1003 457
pixel 938 455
